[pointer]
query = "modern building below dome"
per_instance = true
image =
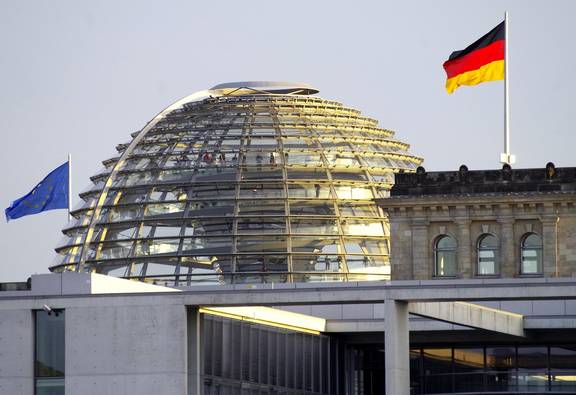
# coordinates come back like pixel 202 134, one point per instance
pixel 245 182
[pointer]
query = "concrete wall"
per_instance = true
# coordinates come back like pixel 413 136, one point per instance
pixel 125 350
pixel 16 352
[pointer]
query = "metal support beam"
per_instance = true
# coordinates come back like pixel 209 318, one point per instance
pixel 472 315
pixel 397 347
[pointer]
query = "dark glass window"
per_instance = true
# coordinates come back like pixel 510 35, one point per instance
pixel 437 370
pixel 53 386
pixel 415 371
pixel 532 368
pixel 49 353
pixel 531 254
pixel 500 368
pixel 487 255
pixel 468 369
pixel 563 368
pixel 445 256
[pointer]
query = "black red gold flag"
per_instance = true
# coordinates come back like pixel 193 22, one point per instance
pixel 480 62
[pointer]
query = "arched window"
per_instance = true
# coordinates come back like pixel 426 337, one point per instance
pixel 487 255
pixel 531 254
pixel 445 256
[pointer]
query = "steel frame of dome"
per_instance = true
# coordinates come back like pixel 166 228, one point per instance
pixel 245 182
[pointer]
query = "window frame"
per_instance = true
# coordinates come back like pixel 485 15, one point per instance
pixel 436 250
pixel 496 251
pixel 54 378
pixel 539 254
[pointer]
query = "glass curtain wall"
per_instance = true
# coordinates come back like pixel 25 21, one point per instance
pixel 240 189
pixel 244 358
pixel 518 369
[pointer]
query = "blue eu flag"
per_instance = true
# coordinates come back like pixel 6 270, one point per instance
pixel 51 193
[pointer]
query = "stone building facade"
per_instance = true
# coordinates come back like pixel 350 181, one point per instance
pixel 483 224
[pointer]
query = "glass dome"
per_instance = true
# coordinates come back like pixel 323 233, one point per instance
pixel 245 182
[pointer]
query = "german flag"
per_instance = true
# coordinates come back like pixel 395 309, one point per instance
pixel 480 62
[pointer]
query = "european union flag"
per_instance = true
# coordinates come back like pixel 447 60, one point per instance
pixel 51 193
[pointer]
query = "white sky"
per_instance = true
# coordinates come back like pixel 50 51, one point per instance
pixel 79 77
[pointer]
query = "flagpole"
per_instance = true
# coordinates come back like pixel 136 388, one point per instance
pixel 69 187
pixel 506 157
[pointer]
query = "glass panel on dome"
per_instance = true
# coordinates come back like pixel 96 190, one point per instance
pixel 358 210
pixel 307 174
pixel 212 190
pixel 110 250
pixel 67 255
pixel 160 268
pixel 366 246
pixel 366 264
pixel 353 227
pixel 178 175
pixel 262 263
pixel 230 144
pixel 301 142
pixel 164 210
pixel 293 132
pixel 353 192
pixel 263 132
pixel 208 227
pixel 312 207
pixel 167 229
pixel 210 208
pixel 382 177
pixel 261 225
pixel 314 226
pixel 140 178
pixel 261 190
pixel 342 160
pixel 349 175
pixel 156 247
pixel 316 245
pixel 210 263
pixel 314 263
pixel 137 164
pixel 125 197
pixel 261 142
pixel 261 207
pixel 261 243
pixel 207 245
pixel 181 161
pixel 312 268
pixel 255 158
pixel 374 161
pixel 262 268
pixel 119 232
pixel 337 144
pixel 320 191
pixel 122 213
pixel 300 158
pixel 262 173
pixel 215 174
